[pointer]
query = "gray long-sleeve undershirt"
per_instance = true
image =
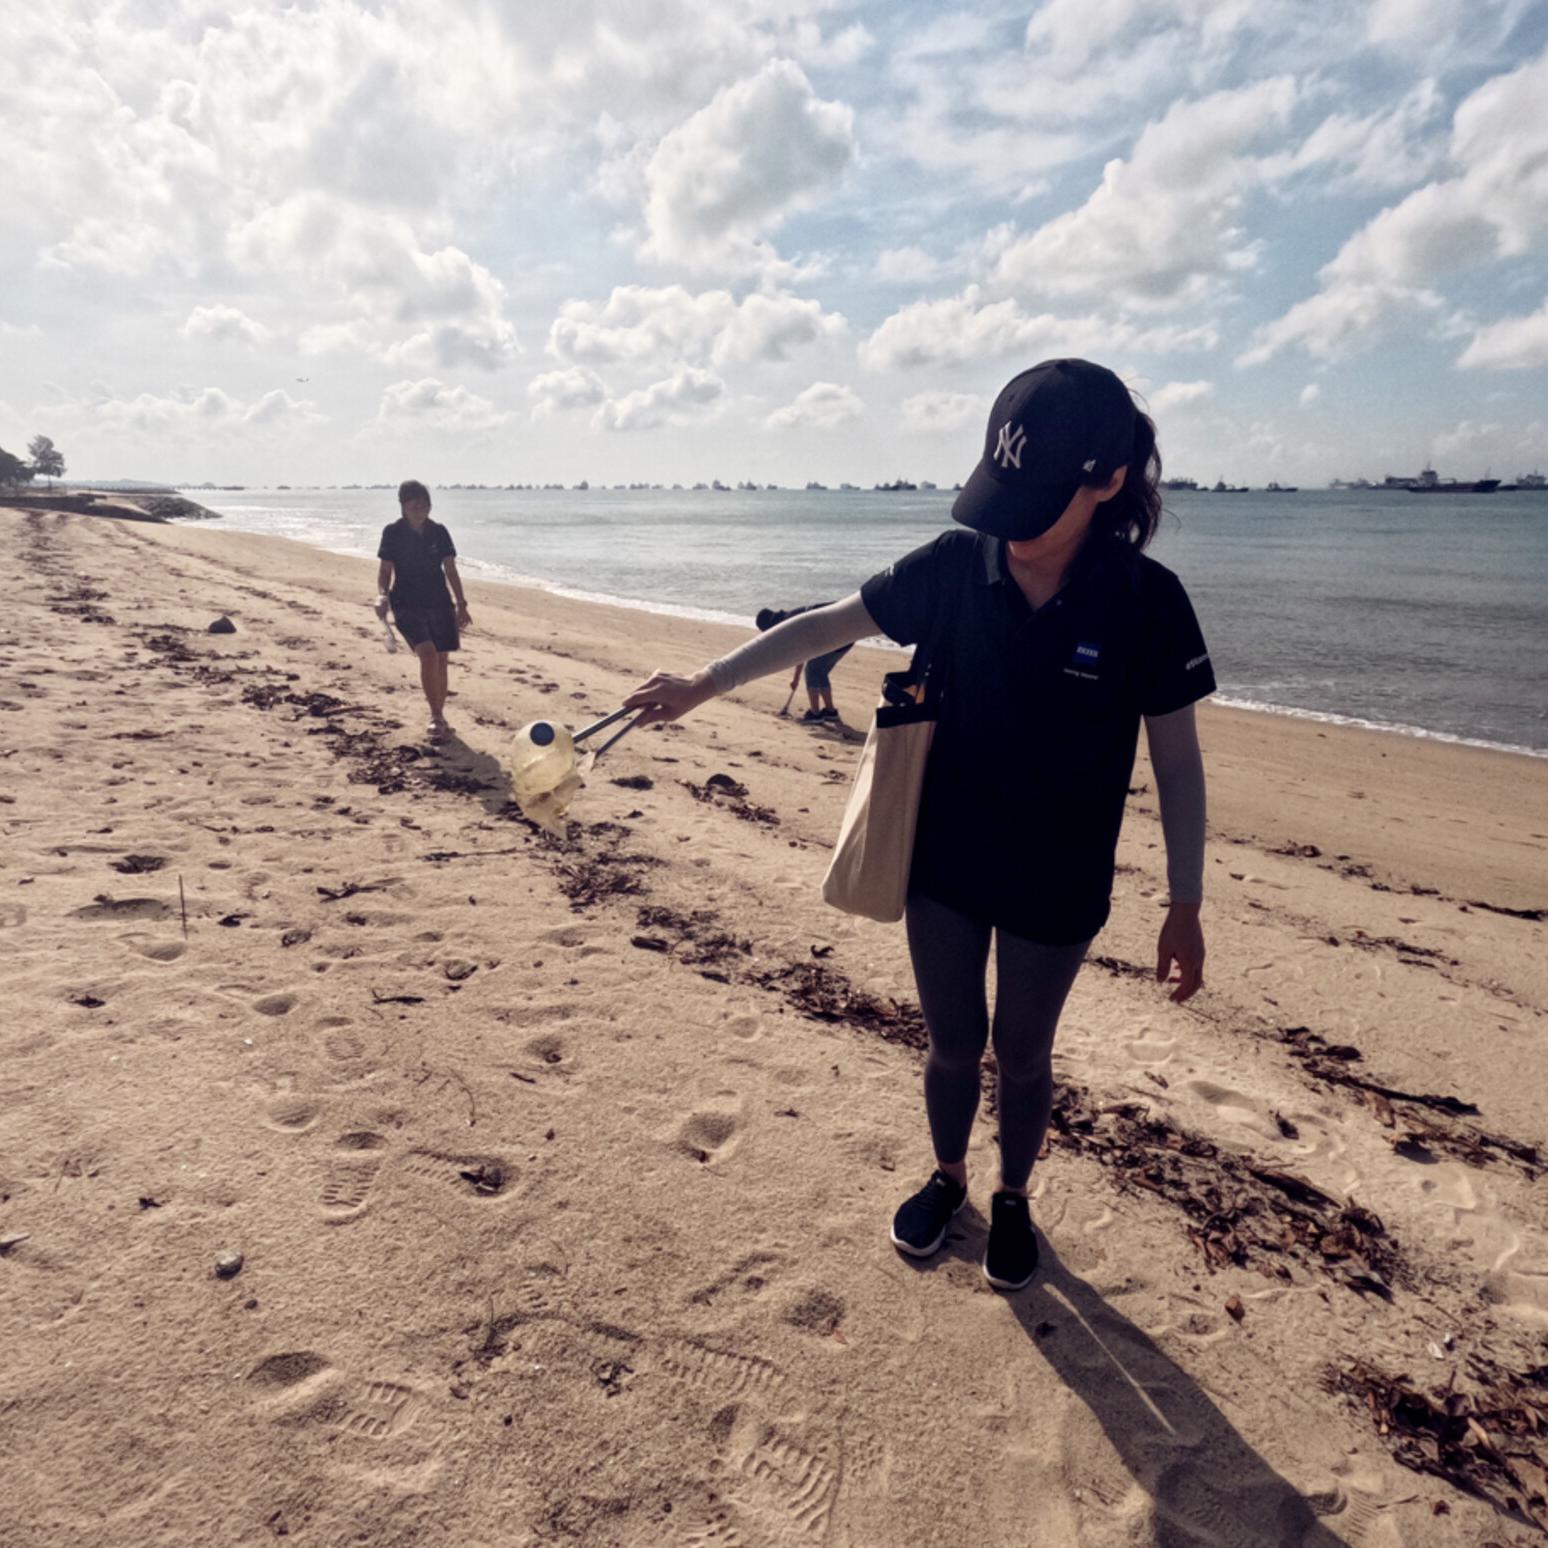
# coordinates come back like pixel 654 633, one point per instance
pixel 1172 739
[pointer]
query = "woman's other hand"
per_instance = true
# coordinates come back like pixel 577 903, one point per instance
pixel 665 696
pixel 1181 942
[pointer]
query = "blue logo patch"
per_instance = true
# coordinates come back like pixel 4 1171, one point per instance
pixel 1086 654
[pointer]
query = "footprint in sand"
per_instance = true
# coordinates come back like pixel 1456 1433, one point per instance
pixel 787 1483
pixel 479 1177
pixel 303 1383
pixel 109 910
pixel 380 1409
pixel 275 1004
pixel 349 1175
pixel 12 916
pixel 291 1113
pixel 711 1133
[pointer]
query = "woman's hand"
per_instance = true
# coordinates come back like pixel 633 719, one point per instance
pixel 665 696
pixel 1181 942
pixel 464 617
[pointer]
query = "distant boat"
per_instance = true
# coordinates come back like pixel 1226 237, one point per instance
pixel 897 486
pixel 1430 482
pixel 1179 483
pixel 813 485
pixel 1534 481
pixel 1273 488
pixel 1221 487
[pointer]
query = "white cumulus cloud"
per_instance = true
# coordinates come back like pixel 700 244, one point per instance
pixel 722 182
pixel 1493 208
pixel 652 328
pixel 430 401
pixel 680 399
pixel 1173 396
pixel 222 323
pixel 557 391
pixel 958 329
pixel 822 406
pixel 1512 344
pixel 1163 228
pixel 944 411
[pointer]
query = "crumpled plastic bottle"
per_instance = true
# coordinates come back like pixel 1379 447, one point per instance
pixel 544 776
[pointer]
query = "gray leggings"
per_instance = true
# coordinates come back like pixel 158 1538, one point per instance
pixel 950 954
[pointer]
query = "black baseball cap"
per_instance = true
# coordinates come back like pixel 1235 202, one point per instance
pixel 1062 424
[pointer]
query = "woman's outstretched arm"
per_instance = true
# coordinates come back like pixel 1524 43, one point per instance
pixel 667 696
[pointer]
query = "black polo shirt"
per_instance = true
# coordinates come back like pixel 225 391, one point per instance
pixel 1030 765
pixel 418 581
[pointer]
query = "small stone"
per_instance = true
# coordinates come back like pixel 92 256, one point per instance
pixel 223 625
pixel 1235 1308
pixel 228 1265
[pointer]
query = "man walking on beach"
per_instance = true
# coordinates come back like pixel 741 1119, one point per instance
pixel 418 563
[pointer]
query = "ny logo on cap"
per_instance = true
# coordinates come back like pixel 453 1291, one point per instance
pixel 1008 452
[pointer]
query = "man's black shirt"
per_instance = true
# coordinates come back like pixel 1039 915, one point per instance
pixel 418 581
pixel 1030 765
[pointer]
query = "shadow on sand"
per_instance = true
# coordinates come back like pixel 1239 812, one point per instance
pixel 1206 1483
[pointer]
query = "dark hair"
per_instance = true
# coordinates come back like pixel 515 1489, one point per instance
pixel 1134 513
pixel 768 617
pixel 412 489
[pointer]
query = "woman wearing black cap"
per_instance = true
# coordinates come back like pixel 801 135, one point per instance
pixel 1058 636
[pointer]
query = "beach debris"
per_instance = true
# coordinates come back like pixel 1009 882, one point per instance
pixel 544 777
pixel 1235 1308
pixel 1299 851
pixel 697 939
pixel 635 782
pixel 12 1240
pixel 88 1001
pixel 137 865
pixel 1239 1214
pixel 232 921
pixel 1486 1434
pixel 396 999
pixel 222 625
pixel 650 943
pixel 351 889
pixel 295 937
pixel 485 1177
pixel 457 971
pixel 228 1265
pixel 722 790
pixel 1413 1136
pixel 146 1202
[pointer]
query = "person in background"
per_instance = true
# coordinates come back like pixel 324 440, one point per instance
pixel 819 685
pixel 1058 638
pixel 418 565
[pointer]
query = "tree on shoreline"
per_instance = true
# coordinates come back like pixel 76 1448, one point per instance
pixel 47 459
pixel 13 471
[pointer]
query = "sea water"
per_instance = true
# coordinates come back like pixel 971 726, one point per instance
pixel 1421 613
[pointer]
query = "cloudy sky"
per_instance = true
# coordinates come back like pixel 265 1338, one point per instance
pixel 521 240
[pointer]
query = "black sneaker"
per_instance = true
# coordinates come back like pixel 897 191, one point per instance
pixel 828 714
pixel 1010 1259
pixel 812 715
pixel 919 1227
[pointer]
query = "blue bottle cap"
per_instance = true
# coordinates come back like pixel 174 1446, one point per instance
pixel 542 733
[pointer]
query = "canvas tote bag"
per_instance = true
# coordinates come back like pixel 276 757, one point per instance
pixel 868 874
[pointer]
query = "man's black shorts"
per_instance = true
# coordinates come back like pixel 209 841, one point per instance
pixel 437 625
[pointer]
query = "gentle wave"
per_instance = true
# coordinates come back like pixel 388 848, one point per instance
pixel 1328 717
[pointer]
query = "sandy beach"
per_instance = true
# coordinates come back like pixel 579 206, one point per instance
pixel 561 1172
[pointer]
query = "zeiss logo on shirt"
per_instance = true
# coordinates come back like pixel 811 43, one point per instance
pixel 1084 661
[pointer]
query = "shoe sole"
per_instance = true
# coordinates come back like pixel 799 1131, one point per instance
pixel 1005 1284
pixel 935 1246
